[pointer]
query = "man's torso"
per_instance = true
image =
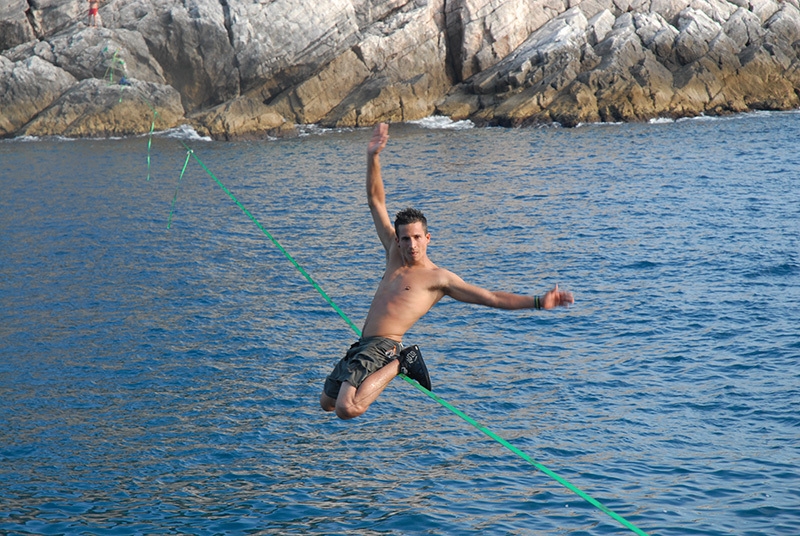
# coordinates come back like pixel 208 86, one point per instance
pixel 404 295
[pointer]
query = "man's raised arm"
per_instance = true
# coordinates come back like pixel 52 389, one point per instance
pixel 376 196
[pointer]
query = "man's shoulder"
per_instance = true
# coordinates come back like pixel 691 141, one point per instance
pixel 437 276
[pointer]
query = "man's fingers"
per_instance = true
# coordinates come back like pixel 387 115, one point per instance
pixel 560 297
pixel 380 135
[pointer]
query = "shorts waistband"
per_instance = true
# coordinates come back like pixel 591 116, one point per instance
pixel 364 340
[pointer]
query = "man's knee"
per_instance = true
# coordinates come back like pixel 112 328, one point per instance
pixel 327 403
pixel 345 404
pixel 346 412
pixel 343 409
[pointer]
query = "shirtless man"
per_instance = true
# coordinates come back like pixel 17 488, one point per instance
pixel 411 285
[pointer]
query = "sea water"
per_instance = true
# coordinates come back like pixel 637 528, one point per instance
pixel 166 381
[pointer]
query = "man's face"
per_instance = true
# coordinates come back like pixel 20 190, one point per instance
pixel 413 241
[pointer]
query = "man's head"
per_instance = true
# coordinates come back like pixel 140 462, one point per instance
pixel 409 215
pixel 411 230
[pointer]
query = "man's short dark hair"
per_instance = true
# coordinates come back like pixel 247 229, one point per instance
pixel 410 215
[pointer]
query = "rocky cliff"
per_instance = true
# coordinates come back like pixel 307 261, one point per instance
pixel 239 68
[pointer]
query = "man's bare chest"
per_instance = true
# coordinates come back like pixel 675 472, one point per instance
pixel 408 282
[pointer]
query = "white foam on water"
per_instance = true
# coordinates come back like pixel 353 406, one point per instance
pixel 183 132
pixel 29 139
pixel 442 122
pixel 317 130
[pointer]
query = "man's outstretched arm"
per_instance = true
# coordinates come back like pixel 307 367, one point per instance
pixel 376 196
pixel 459 290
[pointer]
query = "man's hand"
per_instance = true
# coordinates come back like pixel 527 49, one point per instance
pixel 380 135
pixel 556 298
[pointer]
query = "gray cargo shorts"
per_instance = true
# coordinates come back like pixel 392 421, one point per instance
pixel 366 356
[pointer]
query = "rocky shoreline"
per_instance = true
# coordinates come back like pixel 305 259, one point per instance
pixel 236 69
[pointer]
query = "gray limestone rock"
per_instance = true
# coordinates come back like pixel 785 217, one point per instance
pixel 105 53
pixel 26 88
pixel 243 69
pixel 15 28
pixel 94 107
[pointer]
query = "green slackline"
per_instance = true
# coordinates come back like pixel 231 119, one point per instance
pixel 552 474
pixel 580 493
pixel 150 136
pixel 150 142
pixel 109 73
pixel 110 69
pixel 277 244
pixel 189 152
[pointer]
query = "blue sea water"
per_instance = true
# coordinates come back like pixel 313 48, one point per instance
pixel 166 381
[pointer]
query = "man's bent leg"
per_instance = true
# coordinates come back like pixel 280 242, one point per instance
pixel 353 402
pixel 327 403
